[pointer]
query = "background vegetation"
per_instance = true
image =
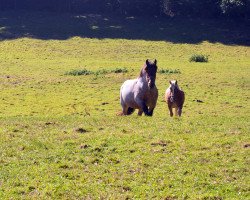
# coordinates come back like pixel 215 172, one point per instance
pixel 193 8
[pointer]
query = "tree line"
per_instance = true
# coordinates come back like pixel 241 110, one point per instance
pixel 171 8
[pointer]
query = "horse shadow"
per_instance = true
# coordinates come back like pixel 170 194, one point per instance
pixel 58 26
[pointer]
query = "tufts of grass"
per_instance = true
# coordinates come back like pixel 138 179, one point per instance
pixel 101 71
pixel 169 71
pixel 198 58
pixel 120 70
pixel 79 72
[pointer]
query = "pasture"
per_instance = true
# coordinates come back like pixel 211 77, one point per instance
pixel 60 137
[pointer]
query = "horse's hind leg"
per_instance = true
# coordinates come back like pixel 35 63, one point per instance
pixel 124 107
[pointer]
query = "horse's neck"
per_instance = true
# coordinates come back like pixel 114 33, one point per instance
pixel 142 83
pixel 142 77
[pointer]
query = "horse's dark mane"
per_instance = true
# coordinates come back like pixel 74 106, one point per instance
pixel 141 72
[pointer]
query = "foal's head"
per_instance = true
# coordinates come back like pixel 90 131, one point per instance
pixel 174 88
pixel 151 69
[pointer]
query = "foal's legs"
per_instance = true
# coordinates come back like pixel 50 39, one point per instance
pixel 179 111
pixel 170 110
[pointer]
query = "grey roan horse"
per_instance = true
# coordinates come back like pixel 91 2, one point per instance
pixel 140 93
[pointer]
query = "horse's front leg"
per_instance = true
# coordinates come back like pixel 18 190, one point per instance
pixel 145 109
pixel 151 111
pixel 142 107
pixel 140 112
pixel 179 111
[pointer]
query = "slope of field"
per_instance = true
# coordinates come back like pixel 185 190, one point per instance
pixel 61 138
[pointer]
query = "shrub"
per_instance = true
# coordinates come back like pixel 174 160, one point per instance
pixel 198 58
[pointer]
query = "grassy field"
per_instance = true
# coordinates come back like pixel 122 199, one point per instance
pixel 60 137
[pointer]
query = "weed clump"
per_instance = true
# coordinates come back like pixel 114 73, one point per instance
pixel 101 71
pixel 169 71
pixel 79 72
pixel 198 58
pixel 119 70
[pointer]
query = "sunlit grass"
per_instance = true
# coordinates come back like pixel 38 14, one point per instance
pixel 203 155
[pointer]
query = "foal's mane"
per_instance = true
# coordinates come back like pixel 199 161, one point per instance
pixel 176 85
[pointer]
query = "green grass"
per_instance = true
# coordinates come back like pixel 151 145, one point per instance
pixel 61 138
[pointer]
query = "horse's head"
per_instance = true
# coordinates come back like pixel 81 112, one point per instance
pixel 174 89
pixel 151 69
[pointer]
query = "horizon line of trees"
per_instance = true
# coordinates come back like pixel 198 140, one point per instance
pixel 239 9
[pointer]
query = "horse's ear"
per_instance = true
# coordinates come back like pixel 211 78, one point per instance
pixel 176 82
pixel 170 82
pixel 155 61
pixel 147 62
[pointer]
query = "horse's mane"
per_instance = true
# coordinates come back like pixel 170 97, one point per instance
pixel 142 69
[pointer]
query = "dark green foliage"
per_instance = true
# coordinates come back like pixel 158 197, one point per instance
pixel 234 8
pixel 198 58
pixel 187 8
pixel 169 71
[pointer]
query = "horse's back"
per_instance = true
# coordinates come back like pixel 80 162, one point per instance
pixel 127 86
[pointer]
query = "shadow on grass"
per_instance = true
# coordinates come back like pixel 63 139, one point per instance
pixel 46 26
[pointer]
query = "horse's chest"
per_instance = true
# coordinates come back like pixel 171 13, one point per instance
pixel 151 96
